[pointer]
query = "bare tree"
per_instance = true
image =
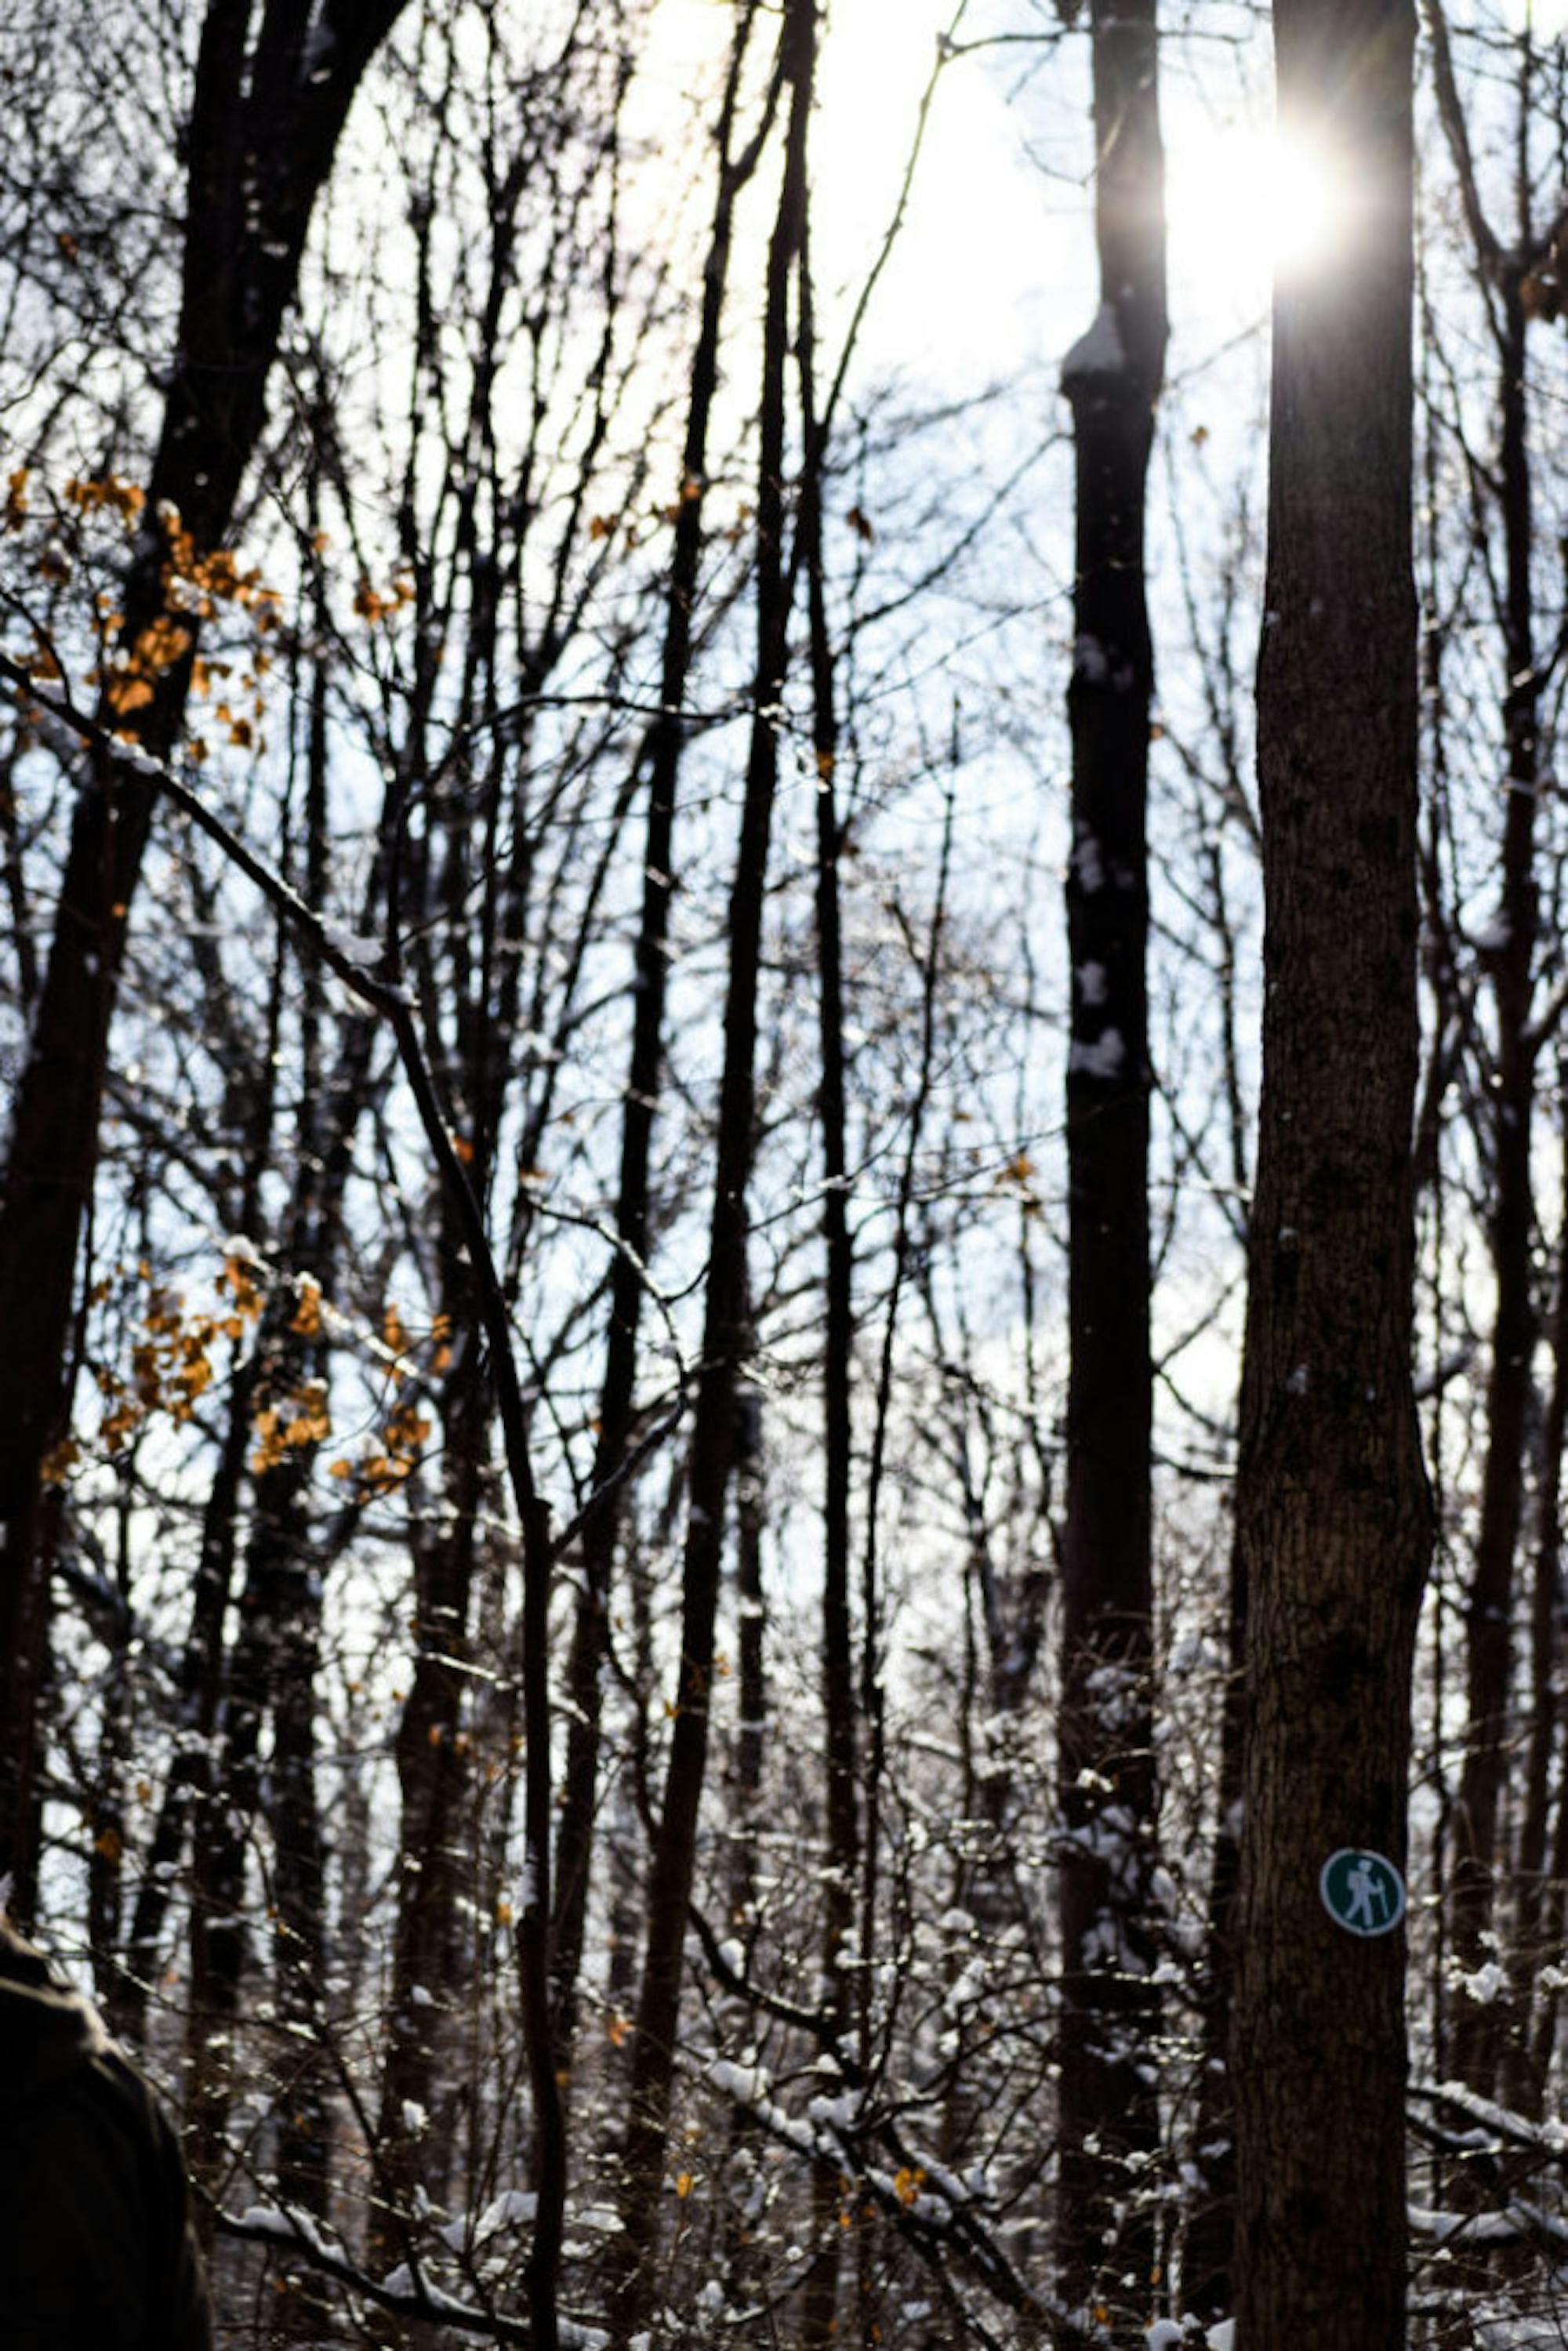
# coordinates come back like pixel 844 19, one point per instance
pixel 1332 1510
pixel 1105 1745
pixel 727 1326
pixel 271 93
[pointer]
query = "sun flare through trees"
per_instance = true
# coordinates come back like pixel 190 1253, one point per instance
pixel 784 1157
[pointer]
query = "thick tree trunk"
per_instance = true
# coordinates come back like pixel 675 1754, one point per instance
pixel 742 2268
pixel 261 137
pixel 300 1943
pixel 1529 1999
pixel 273 1664
pixel 200 1672
pixel 1332 1507
pixel 229 1807
pixel 1106 1763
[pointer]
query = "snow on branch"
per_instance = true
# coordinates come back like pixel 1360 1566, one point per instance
pixel 404 2293
pixel 939 2214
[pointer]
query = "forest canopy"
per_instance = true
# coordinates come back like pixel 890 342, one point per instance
pixel 784 1178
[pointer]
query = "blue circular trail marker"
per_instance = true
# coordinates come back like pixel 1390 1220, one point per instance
pixel 1362 1892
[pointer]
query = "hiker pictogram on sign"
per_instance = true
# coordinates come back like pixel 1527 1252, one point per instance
pixel 1362 1892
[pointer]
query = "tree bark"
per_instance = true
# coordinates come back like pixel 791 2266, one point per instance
pixel 840 1728
pixel 262 133
pixel 1332 1521
pixel 1106 1748
pixel 436 1864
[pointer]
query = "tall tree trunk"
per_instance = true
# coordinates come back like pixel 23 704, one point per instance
pixel 840 1742
pixel 228 1810
pixel 1537 1955
pixel 1475 2026
pixel 417 2138
pixel 219 1791
pixel 1521 2087
pixel 261 137
pixel 201 1673
pixel 726 1318
pixel 742 2268
pixel 1332 1510
pixel 1211 2230
pixel 300 1950
pixel 617 1408
pixel 1106 1748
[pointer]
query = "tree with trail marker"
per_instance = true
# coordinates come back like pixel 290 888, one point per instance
pixel 1332 1512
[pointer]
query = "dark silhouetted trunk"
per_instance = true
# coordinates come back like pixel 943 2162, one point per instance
pixel 1332 1519
pixel 262 132
pixel 418 2133
pixel 726 1320
pixel 1477 2027
pixel 1536 1961
pixel 1106 1748
pixel 838 1680
pixel 617 1409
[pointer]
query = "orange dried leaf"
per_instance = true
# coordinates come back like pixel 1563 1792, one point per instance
pixel 307 1317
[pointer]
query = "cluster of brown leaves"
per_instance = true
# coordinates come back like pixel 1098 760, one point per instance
pixel 169 1364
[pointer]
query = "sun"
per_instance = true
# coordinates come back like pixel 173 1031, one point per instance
pixel 1306 195
pixel 1246 204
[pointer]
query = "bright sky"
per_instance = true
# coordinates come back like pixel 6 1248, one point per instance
pixel 971 286
pixel 1242 201
pixel 994 265
pixel 965 280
